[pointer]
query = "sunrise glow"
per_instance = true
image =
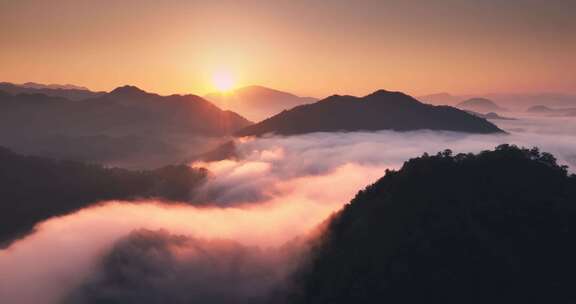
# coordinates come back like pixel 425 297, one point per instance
pixel 223 81
pixel 289 151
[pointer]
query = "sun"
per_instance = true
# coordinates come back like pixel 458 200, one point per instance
pixel 223 81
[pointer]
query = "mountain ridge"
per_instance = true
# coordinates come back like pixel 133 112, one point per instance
pixel 480 104
pixel 257 102
pixel 122 126
pixel 71 92
pixel 380 110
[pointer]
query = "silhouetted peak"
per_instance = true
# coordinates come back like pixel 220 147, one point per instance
pixel 478 100
pixel 540 108
pixel 381 92
pixel 440 98
pixel 334 97
pixel 480 104
pixel 128 90
pixel 381 110
pixel 391 97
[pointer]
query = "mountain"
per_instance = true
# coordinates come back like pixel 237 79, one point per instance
pixel 440 99
pixel 559 112
pixel 482 105
pixel 381 110
pixel 540 109
pixel 496 227
pixel 126 126
pixel 179 113
pixel 524 100
pixel 68 91
pixel 515 101
pixel 35 85
pixel 490 115
pixel 34 188
pixel 257 102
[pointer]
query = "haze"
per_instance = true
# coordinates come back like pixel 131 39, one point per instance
pixel 287 151
pixel 312 48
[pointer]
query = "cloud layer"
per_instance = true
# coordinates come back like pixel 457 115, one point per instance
pixel 279 190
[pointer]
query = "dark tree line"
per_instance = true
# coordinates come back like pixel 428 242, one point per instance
pixel 33 189
pixel 496 227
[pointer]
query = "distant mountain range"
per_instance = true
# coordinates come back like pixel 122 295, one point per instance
pixel 35 85
pixel 124 124
pixel 257 102
pixel 482 105
pixel 540 109
pixel 545 110
pixel 440 99
pixel 381 110
pixel 524 100
pixel 491 115
pixel 68 91
pixel 515 101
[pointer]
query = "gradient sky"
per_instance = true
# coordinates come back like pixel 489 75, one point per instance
pixel 307 47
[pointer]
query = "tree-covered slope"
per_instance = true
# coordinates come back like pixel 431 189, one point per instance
pixel 496 227
pixel 33 189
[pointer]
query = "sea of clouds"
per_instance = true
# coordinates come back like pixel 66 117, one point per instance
pixel 248 234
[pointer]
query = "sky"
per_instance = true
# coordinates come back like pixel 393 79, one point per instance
pixel 313 48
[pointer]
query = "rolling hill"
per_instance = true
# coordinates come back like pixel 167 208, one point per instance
pixel 482 105
pixel 126 124
pixel 381 110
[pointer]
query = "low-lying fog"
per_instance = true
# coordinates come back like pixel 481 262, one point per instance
pixel 239 248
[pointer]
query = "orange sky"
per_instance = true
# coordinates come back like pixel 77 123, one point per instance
pixel 307 47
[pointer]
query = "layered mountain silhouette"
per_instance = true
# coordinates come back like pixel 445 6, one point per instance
pixel 506 100
pixel 34 189
pixel 440 99
pixel 68 91
pixel 381 110
pixel 257 102
pixel 545 110
pixel 496 227
pixel 482 105
pixel 525 100
pixel 491 115
pixel 124 124
pixel 35 85
pixel 182 113
pixel 540 109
